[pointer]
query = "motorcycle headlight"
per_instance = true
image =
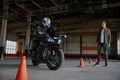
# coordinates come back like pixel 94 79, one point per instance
pixel 55 37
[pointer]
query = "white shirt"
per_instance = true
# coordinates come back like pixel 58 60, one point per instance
pixel 102 36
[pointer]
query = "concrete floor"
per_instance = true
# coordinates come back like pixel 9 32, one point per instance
pixel 68 71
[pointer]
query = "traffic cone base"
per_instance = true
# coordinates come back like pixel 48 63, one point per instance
pixel 1 58
pixel 90 61
pixel 81 63
pixel 22 70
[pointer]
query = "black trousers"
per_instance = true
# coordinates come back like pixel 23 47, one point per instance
pixel 105 49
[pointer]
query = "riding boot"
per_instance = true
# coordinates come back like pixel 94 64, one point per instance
pixel 106 59
pixel 98 60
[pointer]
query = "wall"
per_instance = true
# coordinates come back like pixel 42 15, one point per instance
pixel 89 45
pixel 113 49
pixel 11 37
pixel 72 46
pixel 22 43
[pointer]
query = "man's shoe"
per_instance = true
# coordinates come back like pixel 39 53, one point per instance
pixel 106 65
pixel 96 64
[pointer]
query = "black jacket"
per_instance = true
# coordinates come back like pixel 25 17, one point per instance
pixel 42 29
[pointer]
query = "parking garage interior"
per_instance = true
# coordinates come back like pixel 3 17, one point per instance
pixel 79 20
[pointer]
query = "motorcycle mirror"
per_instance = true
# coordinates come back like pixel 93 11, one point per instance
pixel 65 36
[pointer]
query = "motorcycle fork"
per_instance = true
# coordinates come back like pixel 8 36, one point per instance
pixel 40 51
pixel 51 53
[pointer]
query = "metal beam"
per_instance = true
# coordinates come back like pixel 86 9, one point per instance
pixel 54 2
pixel 90 9
pixel 12 9
pixel 82 33
pixel 36 4
pixel 15 12
pixel 21 6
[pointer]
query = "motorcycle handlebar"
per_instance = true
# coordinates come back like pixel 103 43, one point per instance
pixel 65 36
pixel 47 35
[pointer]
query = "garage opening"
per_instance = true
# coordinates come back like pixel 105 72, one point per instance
pixel 11 47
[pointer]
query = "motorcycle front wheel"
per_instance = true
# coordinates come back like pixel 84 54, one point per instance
pixel 55 59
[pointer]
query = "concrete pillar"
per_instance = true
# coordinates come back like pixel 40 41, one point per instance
pixel 27 40
pixel 80 45
pixel 3 29
pixel 65 45
pixel 118 45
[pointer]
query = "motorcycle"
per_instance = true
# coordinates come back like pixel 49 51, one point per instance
pixel 48 51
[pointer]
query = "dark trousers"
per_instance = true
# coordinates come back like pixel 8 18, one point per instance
pixel 105 49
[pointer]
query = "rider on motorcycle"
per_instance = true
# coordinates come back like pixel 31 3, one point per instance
pixel 44 31
pixel 46 46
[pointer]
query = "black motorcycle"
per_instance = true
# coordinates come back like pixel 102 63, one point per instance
pixel 48 51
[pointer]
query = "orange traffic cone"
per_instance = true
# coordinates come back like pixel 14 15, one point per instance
pixel 22 71
pixel 101 58
pixel 90 61
pixel 21 54
pixel 1 58
pixel 81 63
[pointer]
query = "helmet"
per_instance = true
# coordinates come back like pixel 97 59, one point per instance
pixel 46 22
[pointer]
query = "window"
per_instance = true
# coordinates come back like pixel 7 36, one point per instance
pixel 11 47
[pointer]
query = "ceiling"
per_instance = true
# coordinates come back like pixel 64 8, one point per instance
pixel 71 17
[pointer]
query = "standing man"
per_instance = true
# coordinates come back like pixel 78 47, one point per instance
pixel 103 41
